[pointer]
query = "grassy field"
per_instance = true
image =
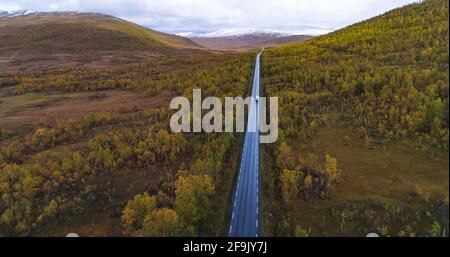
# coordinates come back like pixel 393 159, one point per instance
pixel 27 110
pixel 374 175
pixel 11 103
pixel 382 169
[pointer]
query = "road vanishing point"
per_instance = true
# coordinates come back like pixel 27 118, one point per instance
pixel 245 215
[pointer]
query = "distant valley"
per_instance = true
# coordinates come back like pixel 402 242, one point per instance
pixel 247 41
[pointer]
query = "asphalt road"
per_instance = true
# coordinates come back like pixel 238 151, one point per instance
pixel 245 214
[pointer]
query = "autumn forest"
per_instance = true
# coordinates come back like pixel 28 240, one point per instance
pixel 86 146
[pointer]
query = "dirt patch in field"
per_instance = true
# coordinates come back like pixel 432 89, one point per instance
pixel 63 106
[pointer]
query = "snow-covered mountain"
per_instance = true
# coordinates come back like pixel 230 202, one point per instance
pixel 278 32
pixel 248 41
pixel 25 12
pixel 13 13
pixel 247 38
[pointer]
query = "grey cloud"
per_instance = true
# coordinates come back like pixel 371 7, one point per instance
pixel 206 15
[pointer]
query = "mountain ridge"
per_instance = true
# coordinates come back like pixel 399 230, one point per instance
pixel 90 21
pixel 74 38
pixel 281 32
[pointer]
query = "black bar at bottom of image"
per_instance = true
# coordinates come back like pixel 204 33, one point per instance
pixel 222 246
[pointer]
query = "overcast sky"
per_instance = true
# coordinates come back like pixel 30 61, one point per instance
pixel 209 15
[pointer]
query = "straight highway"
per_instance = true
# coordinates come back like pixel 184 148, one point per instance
pixel 245 216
